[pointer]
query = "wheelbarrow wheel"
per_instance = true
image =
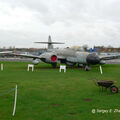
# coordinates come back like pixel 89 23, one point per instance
pixel 114 89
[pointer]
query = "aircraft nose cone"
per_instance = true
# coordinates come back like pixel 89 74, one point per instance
pixel 93 59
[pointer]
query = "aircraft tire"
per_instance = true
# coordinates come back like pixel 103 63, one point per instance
pixel 54 65
pixel 87 68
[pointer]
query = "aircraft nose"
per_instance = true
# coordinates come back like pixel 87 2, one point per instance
pixel 93 59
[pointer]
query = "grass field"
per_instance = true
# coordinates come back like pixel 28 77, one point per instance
pixel 46 94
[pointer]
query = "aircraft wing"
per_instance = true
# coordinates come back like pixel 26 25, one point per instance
pixel 5 52
pixel 25 55
pixel 109 57
pixel 49 56
pixel 50 42
pixel 61 57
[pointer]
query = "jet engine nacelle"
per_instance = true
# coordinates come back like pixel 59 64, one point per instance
pixel 36 61
pixel 49 58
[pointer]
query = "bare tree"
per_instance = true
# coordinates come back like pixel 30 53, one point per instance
pixel 109 46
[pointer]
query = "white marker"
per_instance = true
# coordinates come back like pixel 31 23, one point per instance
pixel 1 67
pixel 14 108
pixel 101 70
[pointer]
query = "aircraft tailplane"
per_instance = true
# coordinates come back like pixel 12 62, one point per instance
pixel 50 43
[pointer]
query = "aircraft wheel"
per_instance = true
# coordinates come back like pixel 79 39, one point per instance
pixel 87 68
pixel 114 89
pixel 54 65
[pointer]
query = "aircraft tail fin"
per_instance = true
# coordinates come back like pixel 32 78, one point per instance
pixel 50 43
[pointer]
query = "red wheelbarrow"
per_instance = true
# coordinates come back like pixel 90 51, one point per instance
pixel 108 84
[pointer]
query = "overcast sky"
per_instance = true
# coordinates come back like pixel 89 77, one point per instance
pixel 75 22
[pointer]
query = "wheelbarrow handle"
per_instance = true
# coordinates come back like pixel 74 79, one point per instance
pixel 95 82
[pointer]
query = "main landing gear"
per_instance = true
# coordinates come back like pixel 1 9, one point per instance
pixel 54 65
pixel 86 67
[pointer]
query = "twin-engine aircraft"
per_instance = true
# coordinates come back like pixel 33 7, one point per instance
pixel 68 56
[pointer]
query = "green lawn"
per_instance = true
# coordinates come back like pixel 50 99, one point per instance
pixel 46 94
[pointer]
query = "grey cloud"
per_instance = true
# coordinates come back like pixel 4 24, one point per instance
pixel 78 22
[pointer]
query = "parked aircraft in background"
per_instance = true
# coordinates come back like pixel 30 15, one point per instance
pixel 68 56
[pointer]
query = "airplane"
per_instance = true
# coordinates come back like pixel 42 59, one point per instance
pixel 68 56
